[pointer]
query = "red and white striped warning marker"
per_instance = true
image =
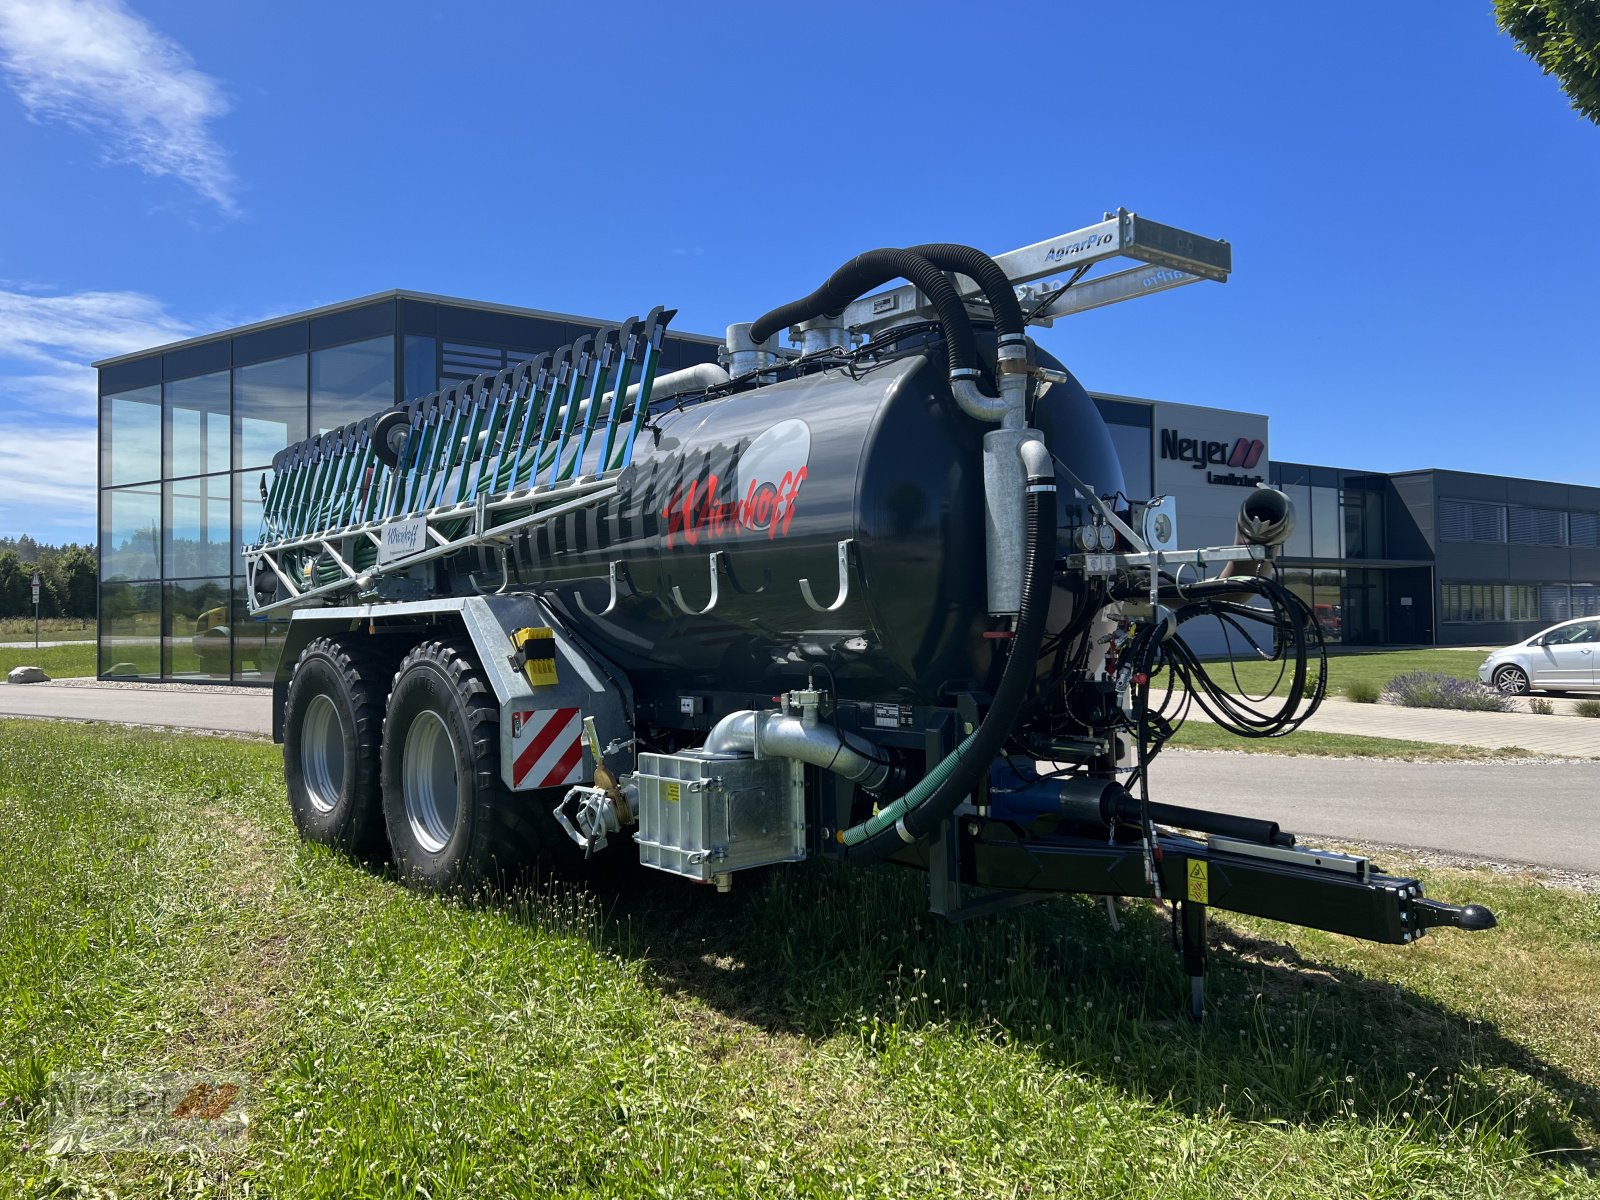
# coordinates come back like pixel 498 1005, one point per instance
pixel 546 747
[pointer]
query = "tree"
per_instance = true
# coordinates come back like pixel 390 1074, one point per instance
pixel 16 597
pixel 74 570
pixel 1563 37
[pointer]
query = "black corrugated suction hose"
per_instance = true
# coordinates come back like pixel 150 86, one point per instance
pixel 872 269
pixel 917 814
pixel 997 289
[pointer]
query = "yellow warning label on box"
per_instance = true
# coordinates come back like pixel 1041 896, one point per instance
pixel 1199 881
pixel 672 792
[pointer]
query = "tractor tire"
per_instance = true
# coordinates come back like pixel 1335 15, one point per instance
pixel 453 826
pixel 332 722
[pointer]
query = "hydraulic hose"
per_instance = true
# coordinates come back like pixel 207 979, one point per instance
pixel 869 270
pixel 997 289
pixel 918 813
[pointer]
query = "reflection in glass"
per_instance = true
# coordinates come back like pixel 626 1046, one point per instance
pixel 257 645
pixel 1329 604
pixel 195 637
pixel 351 382
pixel 1327 524
pixel 421 367
pixel 130 437
pixel 198 528
pixel 1299 543
pixel 130 532
pixel 269 409
pixel 247 510
pixel 1363 523
pixel 130 629
pixel 197 425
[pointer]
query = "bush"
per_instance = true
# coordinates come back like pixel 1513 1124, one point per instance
pixel 1362 691
pixel 1430 689
pixel 1587 708
pixel 1541 707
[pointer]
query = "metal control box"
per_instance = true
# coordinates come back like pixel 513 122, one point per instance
pixel 705 815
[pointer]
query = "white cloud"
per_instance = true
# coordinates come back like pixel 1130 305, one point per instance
pixel 48 400
pixel 79 327
pixel 49 477
pixel 97 66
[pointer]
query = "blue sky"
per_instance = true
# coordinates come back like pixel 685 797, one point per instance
pixel 1412 204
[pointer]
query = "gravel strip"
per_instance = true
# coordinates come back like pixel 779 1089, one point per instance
pixel 1493 760
pixel 139 685
pixel 1550 877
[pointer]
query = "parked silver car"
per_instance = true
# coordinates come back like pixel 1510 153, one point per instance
pixel 1565 657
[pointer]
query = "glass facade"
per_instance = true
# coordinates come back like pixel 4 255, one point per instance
pixel 187 436
pixel 1339 526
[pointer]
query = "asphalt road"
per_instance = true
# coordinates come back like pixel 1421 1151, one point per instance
pixel 1534 813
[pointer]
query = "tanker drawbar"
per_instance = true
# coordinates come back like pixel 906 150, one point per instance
pixel 880 598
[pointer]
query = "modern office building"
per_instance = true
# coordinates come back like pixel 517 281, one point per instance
pixel 187 430
pixel 1430 557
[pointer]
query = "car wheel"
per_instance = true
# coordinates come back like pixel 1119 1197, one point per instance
pixel 1511 681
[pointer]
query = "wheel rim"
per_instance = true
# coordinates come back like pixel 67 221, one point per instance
pixel 322 753
pixel 1513 682
pixel 428 781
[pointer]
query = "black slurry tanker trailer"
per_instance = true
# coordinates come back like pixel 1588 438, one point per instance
pixel 879 597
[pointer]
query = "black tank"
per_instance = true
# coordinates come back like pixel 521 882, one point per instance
pixel 763 485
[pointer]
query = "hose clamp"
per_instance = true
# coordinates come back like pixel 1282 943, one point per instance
pixel 905 834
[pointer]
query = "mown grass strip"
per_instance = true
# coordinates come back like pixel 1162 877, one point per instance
pixel 58 662
pixel 816 1033
pixel 1196 734
pixel 1375 667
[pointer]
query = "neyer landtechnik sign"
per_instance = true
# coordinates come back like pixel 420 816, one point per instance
pixel 1201 453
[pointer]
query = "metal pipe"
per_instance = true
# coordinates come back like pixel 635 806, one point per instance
pixel 784 735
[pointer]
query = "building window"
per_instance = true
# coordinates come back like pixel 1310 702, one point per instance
pixel 421 367
pixel 1585 600
pixel 269 409
pixel 196 641
pixel 1471 521
pixel 1471 603
pixel 1522 602
pixel 1299 543
pixel 198 528
pixel 196 415
pixel 1584 528
pixel 1536 526
pixel 1363 522
pixel 130 437
pixel 351 382
pixel 130 629
pixel 1133 452
pixel 130 532
pixel 1555 603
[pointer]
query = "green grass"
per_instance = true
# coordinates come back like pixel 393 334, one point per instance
pixel 1372 668
pixel 51 629
pixel 815 1033
pixel 58 662
pixel 1202 735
